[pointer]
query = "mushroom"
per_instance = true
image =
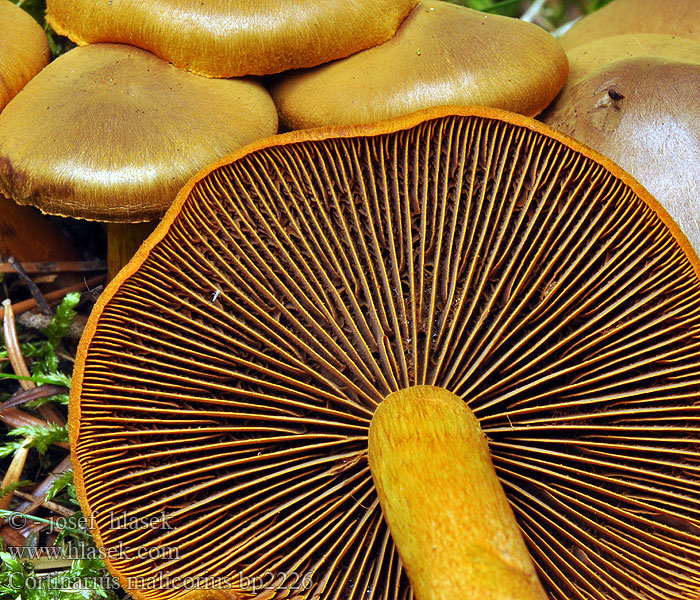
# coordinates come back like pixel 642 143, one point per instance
pixel 442 54
pixel 110 133
pixel 24 51
pixel 634 98
pixel 231 38
pixel 393 281
pixel 680 18
pixel 588 58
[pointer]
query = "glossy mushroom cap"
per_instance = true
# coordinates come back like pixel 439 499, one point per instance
pixel 24 50
pixel 228 377
pixel 442 54
pixel 640 108
pixel 111 133
pixel 232 38
pixel 679 17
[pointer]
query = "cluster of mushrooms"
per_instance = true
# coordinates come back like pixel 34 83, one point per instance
pixel 418 345
pixel 111 131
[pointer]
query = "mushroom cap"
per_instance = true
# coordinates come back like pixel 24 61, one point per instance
pixel 111 132
pixel 680 17
pixel 590 57
pixel 24 50
pixel 228 375
pixel 232 38
pixel 643 113
pixel 442 54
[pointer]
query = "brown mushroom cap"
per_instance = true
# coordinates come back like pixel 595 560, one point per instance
pixel 679 17
pixel 442 54
pixel 111 132
pixel 643 113
pixel 24 50
pixel 227 377
pixel 590 57
pixel 232 38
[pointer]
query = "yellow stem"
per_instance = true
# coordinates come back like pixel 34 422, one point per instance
pixel 123 240
pixel 448 514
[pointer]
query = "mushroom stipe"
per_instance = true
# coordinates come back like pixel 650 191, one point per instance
pixel 465 249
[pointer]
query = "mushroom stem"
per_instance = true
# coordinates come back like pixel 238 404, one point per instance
pixel 123 240
pixel 447 512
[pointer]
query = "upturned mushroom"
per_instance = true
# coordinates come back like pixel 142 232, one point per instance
pixel 634 98
pixel 442 54
pixel 232 38
pixel 680 18
pixel 110 132
pixel 458 289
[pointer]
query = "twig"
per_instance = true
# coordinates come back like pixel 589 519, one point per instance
pixel 14 417
pixel 531 13
pixel 36 393
pixel 58 565
pixel 55 296
pixel 54 267
pixel 13 473
pixel 14 352
pixel 12 536
pixel 42 489
pixel 75 531
pixel 33 503
pixel 33 320
pixel 35 291
pixel 557 33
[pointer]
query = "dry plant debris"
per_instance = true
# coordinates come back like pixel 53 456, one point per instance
pixel 45 551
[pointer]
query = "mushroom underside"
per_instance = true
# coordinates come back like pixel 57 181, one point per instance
pixel 229 376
